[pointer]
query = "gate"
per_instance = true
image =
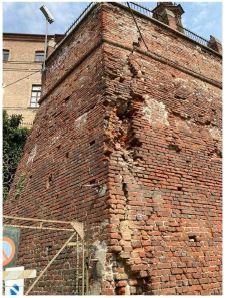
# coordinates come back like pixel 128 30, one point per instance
pixel 64 269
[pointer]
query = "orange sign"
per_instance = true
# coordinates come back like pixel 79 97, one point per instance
pixel 9 250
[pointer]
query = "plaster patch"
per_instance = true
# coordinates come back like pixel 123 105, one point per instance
pixel 125 230
pixel 215 133
pixel 182 88
pixel 211 95
pixel 108 274
pixel 32 154
pixel 157 197
pixel 127 290
pixel 183 126
pixel 155 112
pixel 102 190
pixel 100 256
pixel 180 81
pixel 81 121
pixel 54 139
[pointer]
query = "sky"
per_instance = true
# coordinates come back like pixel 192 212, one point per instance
pixel 203 18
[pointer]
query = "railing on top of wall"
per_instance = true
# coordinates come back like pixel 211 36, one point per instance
pixel 82 16
pixel 194 36
pixel 145 11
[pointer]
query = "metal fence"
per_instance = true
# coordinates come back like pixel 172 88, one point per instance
pixel 80 18
pixel 145 11
pixel 63 236
pixel 139 8
pixel 194 36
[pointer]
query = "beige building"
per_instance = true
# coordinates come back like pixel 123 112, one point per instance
pixel 22 63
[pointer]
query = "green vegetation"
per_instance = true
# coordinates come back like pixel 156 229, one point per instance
pixel 14 139
pixel 20 186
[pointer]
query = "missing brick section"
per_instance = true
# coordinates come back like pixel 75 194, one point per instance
pixel 192 238
pixel 67 98
pixel 179 188
pixel 49 180
pixel 49 249
pixel 92 182
pixel 92 143
pixel 124 189
pixel 219 153
pixel 135 142
pixel 174 147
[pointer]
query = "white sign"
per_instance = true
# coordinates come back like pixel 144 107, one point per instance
pixel 11 275
pixel 14 287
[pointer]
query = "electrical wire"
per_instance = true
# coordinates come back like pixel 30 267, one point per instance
pixel 135 21
pixel 20 69
pixel 22 78
pixel 162 57
pixel 22 62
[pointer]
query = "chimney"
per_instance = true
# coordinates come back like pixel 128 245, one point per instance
pixel 53 42
pixel 170 14
pixel 215 44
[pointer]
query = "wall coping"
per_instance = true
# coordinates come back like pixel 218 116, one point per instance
pixel 153 20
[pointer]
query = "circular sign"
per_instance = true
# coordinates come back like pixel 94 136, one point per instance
pixel 9 250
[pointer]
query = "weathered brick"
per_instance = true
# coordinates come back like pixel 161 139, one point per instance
pixel 149 189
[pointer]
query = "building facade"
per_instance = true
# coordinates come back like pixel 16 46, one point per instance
pixel 127 141
pixel 22 63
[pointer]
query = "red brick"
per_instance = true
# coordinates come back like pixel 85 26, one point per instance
pixel 155 165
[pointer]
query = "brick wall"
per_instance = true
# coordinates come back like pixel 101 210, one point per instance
pixel 144 134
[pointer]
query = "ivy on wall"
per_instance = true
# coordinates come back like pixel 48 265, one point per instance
pixel 14 139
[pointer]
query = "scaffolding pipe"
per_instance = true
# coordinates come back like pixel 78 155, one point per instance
pixel 49 264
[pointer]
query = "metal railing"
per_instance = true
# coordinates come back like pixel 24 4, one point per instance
pixel 147 12
pixel 79 19
pixel 139 8
pixel 194 36
pixel 143 10
pixel 71 230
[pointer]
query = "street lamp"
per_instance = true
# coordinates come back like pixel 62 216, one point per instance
pixel 50 20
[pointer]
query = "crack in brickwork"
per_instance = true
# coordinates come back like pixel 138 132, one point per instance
pixel 185 116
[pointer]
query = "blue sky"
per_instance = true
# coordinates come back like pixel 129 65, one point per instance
pixel 204 18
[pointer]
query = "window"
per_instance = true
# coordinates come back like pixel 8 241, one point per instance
pixel 5 55
pixel 39 56
pixel 35 95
